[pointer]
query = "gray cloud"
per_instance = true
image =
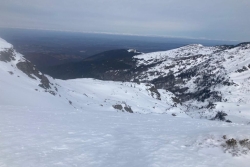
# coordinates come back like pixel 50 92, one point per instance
pixel 220 19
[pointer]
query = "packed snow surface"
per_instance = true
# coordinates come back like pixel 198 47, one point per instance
pixel 76 123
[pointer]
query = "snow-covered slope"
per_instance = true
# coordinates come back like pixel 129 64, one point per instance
pixel 17 88
pixel 22 85
pixel 205 79
pixel 87 122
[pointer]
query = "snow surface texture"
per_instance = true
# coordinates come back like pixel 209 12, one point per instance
pixel 76 123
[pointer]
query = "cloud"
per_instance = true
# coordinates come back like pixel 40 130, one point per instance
pixel 221 19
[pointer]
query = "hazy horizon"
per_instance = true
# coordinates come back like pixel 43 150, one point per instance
pixel 122 34
pixel 194 19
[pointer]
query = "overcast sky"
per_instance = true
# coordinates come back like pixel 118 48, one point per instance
pixel 210 19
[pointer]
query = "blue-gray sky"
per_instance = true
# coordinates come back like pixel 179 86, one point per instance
pixel 209 19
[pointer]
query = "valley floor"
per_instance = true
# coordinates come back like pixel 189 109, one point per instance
pixel 48 137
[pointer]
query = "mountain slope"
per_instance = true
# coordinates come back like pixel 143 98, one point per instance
pixel 47 122
pixel 24 84
pixel 209 79
pixel 94 66
pixel 205 80
pixel 21 87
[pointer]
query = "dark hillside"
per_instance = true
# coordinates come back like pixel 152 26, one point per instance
pixel 94 66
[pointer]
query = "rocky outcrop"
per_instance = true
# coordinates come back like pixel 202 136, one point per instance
pixel 29 69
pixel 7 55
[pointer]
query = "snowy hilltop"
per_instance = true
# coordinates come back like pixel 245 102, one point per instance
pixel 182 107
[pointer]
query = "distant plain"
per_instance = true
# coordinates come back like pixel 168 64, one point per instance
pixel 49 48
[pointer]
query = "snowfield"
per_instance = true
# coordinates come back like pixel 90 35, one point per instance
pixel 46 122
pixel 96 138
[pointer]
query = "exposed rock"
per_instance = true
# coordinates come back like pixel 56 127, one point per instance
pixel 29 69
pixel 128 109
pixel 7 55
pixel 242 70
pixel 221 117
pixel 231 143
pixel 45 82
pixel 10 72
pixel 236 147
pixel 245 143
pixel 123 107
pixel 154 91
pixel 118 107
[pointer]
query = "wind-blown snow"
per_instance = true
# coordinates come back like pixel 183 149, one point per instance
pixel 78 126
